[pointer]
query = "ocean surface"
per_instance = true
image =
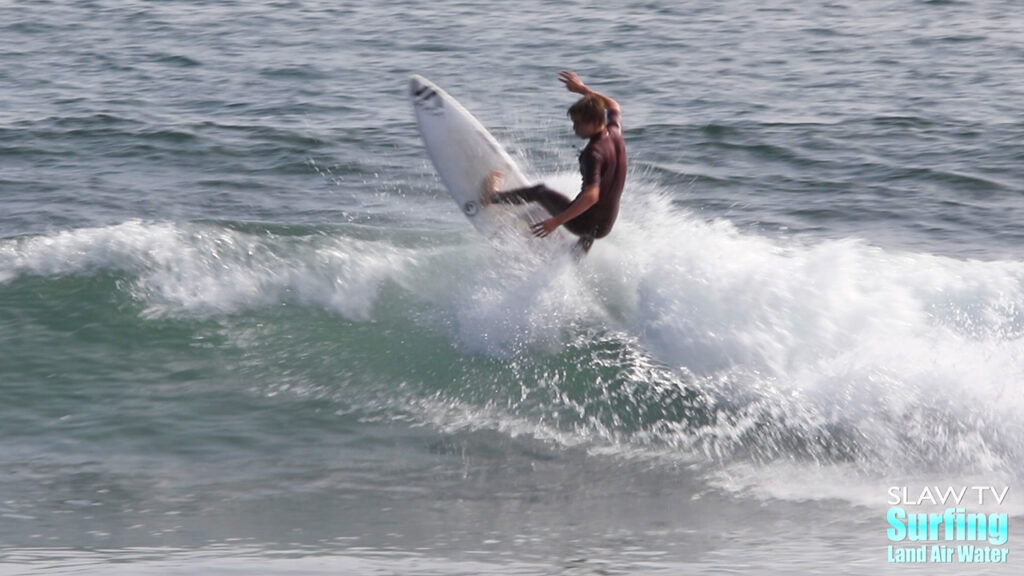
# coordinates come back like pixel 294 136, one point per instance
pixel 245 330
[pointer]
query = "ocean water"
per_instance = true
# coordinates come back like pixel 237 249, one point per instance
pixel 243 328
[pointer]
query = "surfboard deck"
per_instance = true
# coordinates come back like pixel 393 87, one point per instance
pixel 464 154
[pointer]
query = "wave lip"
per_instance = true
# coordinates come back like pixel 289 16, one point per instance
pixel 196 269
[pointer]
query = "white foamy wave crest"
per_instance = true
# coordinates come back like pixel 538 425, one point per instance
pixel 827 348
pixel 203 270
pixel 508 300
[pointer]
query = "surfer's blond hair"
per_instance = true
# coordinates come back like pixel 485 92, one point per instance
pixel 588 110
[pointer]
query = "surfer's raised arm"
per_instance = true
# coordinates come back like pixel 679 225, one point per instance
pixel 574 84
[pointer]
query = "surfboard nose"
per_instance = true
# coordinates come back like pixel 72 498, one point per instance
pixel 425 95
pixel 417 85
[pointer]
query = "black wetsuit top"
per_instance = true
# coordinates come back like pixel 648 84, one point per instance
pixel 603 162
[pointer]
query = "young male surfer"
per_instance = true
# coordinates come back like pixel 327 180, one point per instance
pixel 597 118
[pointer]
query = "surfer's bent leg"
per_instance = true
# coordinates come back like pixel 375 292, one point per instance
pixel 553 202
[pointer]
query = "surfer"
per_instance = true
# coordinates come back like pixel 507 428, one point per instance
pixel 597 118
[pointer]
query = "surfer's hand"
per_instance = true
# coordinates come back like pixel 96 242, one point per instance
pixel 573 82
pixel 544 228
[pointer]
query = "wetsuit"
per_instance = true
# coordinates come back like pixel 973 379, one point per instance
pixel 602 162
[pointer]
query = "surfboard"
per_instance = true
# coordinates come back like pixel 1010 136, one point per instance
pixel 464 154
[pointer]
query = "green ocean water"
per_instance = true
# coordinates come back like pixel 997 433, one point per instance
pixel 243 328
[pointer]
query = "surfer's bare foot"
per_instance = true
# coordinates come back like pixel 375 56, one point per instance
pixel 492 183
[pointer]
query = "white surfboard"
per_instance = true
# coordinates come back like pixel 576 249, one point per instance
pixel 464 154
